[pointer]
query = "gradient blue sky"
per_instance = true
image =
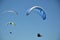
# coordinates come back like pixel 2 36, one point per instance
pixel 27 27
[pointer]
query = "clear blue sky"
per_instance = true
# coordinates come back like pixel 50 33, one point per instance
pixel 27 27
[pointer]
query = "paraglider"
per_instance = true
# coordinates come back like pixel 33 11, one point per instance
pixel 42 14
pixel 10 32
pixel 11 23
pixel 11 35
pixel 39 35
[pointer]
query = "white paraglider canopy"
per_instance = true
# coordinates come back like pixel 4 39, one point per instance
pixel 11 23
pixel 10 11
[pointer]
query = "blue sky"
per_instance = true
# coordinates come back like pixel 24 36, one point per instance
pixel 27 27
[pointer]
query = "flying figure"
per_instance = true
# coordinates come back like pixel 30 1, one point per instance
pixel 11 23
pixel 42 14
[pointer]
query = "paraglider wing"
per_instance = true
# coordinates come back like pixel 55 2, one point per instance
pixel 11 11
pixel 43 15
